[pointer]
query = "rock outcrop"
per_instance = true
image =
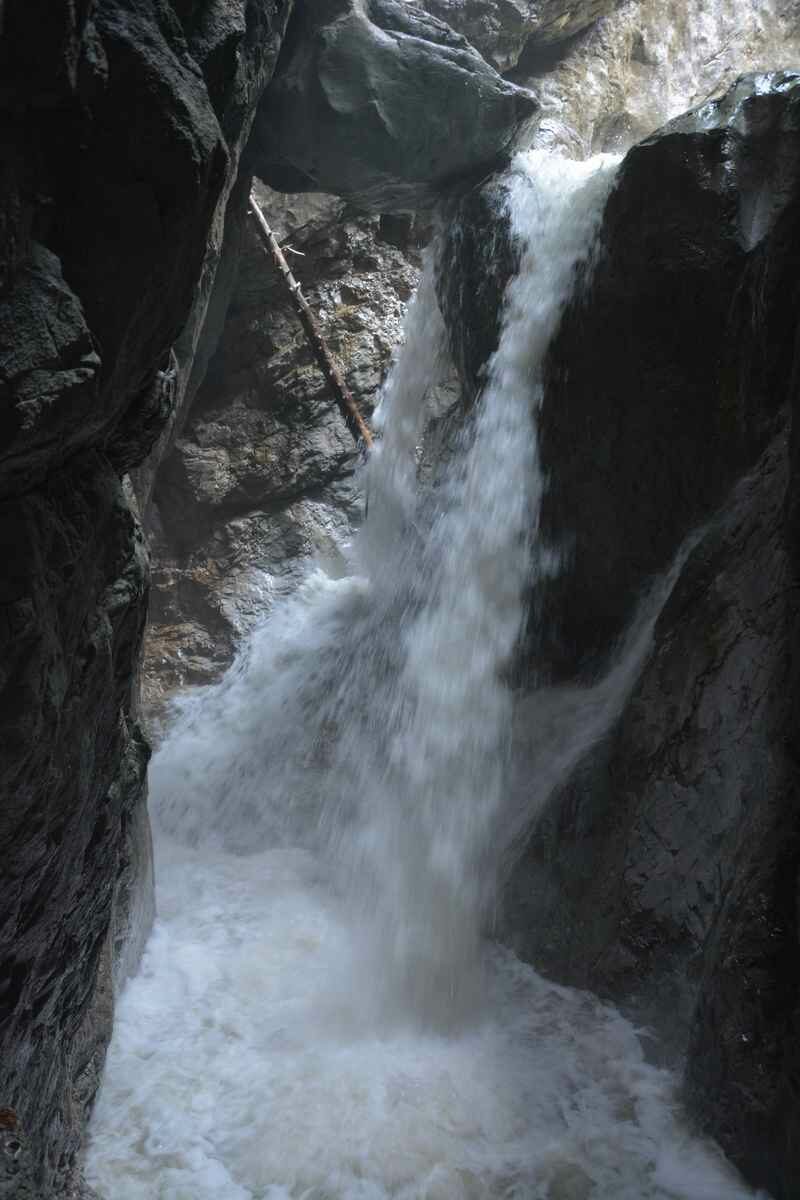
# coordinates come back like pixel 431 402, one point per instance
pixel 383 105
pixel 121 125
pixel 260 480
pixel 129 131
pixel 502 29
pixel 123 198
pixel 666 874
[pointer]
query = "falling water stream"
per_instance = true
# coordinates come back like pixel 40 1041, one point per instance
pixel 321 1013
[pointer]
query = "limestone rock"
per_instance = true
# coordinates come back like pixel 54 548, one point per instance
pixel 501 29
pixel 121 127
pixel 706 209
pixel 421 107
pixel 665 873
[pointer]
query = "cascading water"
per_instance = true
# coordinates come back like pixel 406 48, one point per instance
pixel 318 1015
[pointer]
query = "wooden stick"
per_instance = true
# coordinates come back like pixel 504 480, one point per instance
pixel 328 364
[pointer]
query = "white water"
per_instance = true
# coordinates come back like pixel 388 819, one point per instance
pixel 319 1015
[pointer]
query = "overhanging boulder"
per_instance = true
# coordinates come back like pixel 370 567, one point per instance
pixel 378 102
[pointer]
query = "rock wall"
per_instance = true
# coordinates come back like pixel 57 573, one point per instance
pixel 503 29
pixel 647 61
pixel 421 106
pixel 121 124
pixel 259 483
pixel 140 373
pixel 129 132
pixel 665 874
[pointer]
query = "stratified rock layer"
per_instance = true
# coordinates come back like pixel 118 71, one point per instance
pixel 121 126
pixel 379 103
pixel 666 874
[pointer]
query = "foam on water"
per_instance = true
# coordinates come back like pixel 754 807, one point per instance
pixel 238 1071
pixel 319 1016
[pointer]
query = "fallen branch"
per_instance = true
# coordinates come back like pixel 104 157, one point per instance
pixel 328 364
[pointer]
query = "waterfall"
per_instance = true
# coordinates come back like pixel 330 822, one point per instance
pixel 431 767
pixel 320 1014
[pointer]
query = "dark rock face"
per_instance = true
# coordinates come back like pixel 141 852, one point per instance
pixel 121 127
pixel 666 873
pixel 73 771
pixel 501 29
pixel 379 103
pixel 689 308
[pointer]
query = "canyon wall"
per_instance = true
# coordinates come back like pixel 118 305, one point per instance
pixel 126 129
pixel 260 480
pixel 666 874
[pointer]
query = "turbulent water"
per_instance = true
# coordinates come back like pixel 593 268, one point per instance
pixel 321 1014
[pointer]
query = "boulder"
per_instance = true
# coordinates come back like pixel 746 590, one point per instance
pixel 376 101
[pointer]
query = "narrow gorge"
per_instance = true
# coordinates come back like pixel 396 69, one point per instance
pixel 420 824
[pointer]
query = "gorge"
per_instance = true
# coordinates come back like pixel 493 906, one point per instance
pixel 476 858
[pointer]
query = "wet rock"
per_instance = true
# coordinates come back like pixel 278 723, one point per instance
pixel 665 873
pixel 646 424
pixel 49 371
pixel 74 593
pixel 121 128
pixel 15 1177
pixel 686 342
pixel 259 483
pixel 501 29
pixel 421 105
pixel 648 61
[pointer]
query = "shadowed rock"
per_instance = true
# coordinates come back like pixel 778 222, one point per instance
pixel 378 102
pixel 665 874
pixel 121 127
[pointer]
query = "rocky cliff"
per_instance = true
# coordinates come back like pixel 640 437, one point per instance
pixel 503 29
pixel 666 874
pixel 122 124
pixel 149 367
pixel 260 480
pixel 128 147
pixel 381 103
